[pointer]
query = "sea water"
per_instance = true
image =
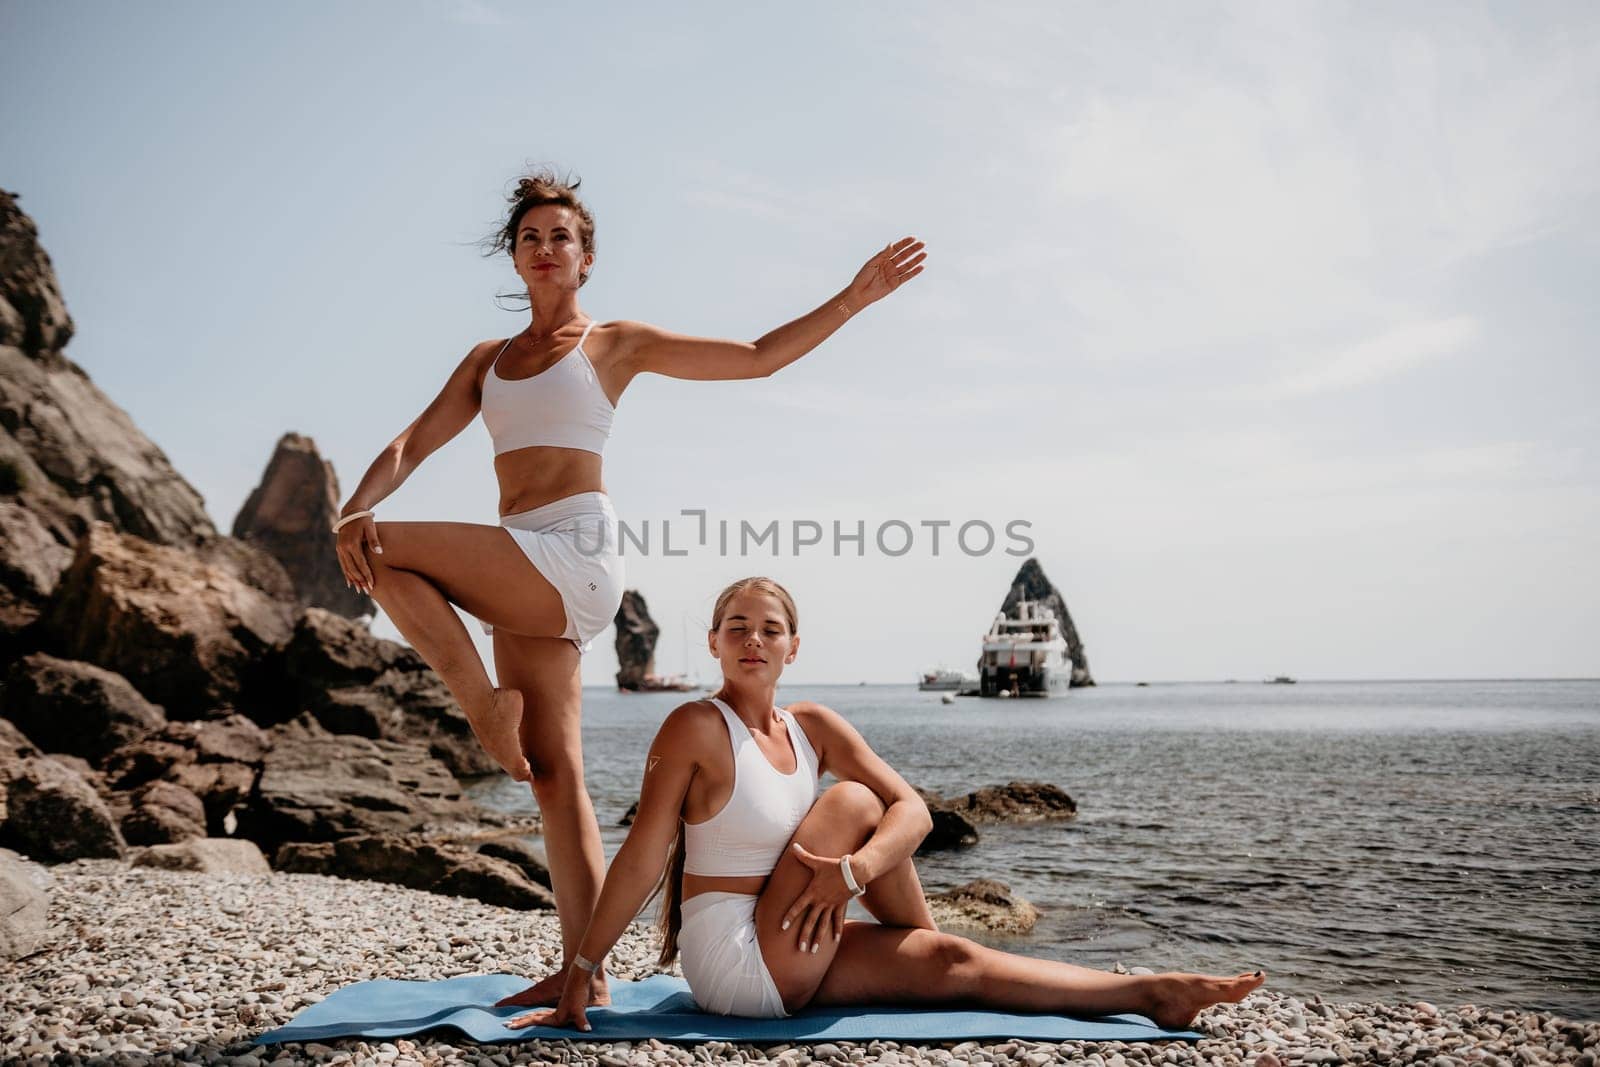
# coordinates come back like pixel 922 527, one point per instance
pixel 1390 841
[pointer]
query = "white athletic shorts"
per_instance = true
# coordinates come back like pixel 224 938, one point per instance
pixel 721 957
pixel 573 543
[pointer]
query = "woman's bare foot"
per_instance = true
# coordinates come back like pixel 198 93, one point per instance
pixel 497 729
pixel 1178 998
pixel 546 992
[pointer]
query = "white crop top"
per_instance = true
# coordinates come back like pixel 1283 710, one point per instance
pixel 753 828
pixel 562 406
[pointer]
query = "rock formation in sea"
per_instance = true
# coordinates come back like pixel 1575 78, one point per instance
pixel 289 514
pixel 1031 584
pixel 984 905
pixel 636 642
pixel 177 697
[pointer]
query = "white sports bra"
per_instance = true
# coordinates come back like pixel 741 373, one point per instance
pixel 562 406
pixel 753 828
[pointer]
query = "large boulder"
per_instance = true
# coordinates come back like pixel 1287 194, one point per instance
pixel 32 558
pixel 187 634
pixel 290 515
pixel 412 861
pixel 520 854
pixel 1031 584
pixel 1013 802
pixel 75 707
pixel 318 786
pixel 217 760
pixel 24 906
pixel 208 855
pixel 52 814
pixel 983 905
pixel 355 683
pixel 636 642
pixel 950 830
pixel 163 813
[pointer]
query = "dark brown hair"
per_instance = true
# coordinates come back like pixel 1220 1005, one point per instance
pixel 542 186
pixel 670 887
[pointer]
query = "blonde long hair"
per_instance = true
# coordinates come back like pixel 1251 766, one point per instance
pixel 670 887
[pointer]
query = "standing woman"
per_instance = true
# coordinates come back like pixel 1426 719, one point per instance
pixel 548 579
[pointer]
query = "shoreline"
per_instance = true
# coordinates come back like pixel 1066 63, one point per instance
pixel 145 966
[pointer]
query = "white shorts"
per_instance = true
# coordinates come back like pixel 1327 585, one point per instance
pixel 573 543
pixel 721 957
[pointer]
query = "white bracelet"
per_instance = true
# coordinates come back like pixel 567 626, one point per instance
pixel 850 877
pixel 584 964
pixel 354 515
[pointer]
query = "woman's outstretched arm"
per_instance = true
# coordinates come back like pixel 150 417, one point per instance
pixel 650 348
pixel 669 768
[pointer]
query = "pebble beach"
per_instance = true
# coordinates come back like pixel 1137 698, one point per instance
pixel 145 966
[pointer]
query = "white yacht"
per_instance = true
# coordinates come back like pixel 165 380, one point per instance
pixel 941 679
pixel 1025 655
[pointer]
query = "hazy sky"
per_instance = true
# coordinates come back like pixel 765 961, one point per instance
pixel 1270 321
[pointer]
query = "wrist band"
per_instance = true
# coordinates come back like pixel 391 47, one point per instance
pixel 353 516
pixel 850 877
pixel 589 966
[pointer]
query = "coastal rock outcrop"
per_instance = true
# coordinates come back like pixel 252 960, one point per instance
pixel 1013 802
pixel 353 682
pixel 68 455
pixel 636 642
pixel 1031 584
pixel 146 651
pixel 420 864
pixel 75 707
pixel 316 786
pixel 983 905
pixel 289 515
pixel 189 635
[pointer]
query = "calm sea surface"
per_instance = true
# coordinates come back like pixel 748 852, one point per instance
pixel 1388 841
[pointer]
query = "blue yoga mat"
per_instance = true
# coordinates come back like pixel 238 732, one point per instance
pixel 661 1007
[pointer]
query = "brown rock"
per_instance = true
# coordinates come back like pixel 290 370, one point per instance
pixel 290 514
pixel 74 707
pixel 636 642
pixel 411 861
pixel 151 757
pixel 233 738
pixel 983 905
pixel 317 786
pixel 14 744
pixel 34 317
pixel 209 855
pixel 164 812
pixel 32 559
pixel 1014 802
pixel 53 815
pixel 185 633
pixel 24 904
pixel 221 787
pixel 520 854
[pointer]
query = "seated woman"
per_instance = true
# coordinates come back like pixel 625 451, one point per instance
pixel 756 869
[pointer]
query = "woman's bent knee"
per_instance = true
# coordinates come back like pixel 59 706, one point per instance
pixel 556 781
pixel 855 798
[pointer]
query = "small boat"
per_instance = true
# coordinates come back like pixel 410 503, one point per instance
pixel 941 679
pixel 1282 679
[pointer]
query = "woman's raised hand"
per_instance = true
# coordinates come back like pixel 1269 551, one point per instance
pixel 885 272
pixel 353 539
pixel 819 909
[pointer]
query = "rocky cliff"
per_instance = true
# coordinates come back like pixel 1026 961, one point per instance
pixel 636 642
pixel 161 683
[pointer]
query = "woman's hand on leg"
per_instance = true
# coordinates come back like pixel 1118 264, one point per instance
pixel 819 909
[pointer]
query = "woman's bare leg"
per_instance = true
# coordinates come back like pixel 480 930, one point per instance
pixel 892 964
pixel 888 965
pixel 426 566
pixel 546 671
